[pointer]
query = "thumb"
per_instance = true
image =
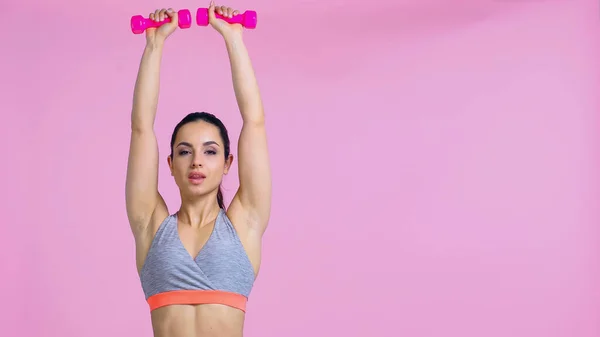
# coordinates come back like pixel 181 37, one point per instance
pixel 211 12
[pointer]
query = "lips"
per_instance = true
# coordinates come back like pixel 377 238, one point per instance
pixel 196 178
pixel 196 175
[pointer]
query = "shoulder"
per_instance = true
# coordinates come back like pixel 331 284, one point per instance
pixel 145 236
pixel 250 239
pixel 144 239
pixel 242 218
pixel 246 218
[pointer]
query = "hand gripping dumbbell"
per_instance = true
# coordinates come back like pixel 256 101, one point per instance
pixel 247 19
pixel 139 23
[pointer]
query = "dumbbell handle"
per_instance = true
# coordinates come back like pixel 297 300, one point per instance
pixel 234 19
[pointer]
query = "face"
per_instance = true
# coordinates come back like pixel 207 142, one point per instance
pixel 198 163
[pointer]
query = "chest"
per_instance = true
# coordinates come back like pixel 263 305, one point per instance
pixel 193 239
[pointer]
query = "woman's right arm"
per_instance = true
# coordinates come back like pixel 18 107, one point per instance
pixel 143 201
pixel 141 188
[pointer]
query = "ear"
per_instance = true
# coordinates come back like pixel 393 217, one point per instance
pixel 228 163
pixel 170 162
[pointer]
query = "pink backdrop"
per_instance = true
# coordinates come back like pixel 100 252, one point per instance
pixel 434 165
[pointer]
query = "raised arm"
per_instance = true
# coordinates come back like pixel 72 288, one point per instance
pixel 141 187
pixel 254 194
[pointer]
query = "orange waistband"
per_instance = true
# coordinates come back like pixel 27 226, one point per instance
pixel 197 297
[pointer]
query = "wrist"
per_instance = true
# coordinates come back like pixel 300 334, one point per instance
pixel 154 46
pixel 233 38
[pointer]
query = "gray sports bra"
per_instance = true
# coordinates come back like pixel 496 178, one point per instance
pixel 221 273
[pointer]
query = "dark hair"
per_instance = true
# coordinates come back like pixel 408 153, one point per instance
pixel 211 119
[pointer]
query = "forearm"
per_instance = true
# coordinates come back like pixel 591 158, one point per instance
pixel 245 85
pixel 145 96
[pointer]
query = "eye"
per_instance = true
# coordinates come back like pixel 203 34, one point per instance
pixel 183 152
pixel 211 152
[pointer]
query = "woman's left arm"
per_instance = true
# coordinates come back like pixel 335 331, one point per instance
pixel 254 169
pixel 253 198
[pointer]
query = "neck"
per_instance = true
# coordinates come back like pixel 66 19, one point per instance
pixel 198 212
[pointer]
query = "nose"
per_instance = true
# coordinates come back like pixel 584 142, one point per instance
pixel 197 161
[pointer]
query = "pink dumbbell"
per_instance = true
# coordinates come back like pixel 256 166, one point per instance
pixel 246 19
pixel 139 23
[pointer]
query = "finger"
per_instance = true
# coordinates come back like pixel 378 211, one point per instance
pixel 223 10
pixel 172 14
pixel 151 16
pixel 162 14
pixel 157 15
pixel 236 12
pixel 229 12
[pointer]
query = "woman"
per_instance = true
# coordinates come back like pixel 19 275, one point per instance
pixel 197 266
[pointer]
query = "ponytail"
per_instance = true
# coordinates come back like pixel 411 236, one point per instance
pixel 220 199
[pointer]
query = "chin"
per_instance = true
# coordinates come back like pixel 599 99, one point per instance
pixel 197 190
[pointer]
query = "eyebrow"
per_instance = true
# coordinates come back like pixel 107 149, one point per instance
pixel 210 142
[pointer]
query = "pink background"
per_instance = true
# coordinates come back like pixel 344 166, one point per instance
pixel 435 165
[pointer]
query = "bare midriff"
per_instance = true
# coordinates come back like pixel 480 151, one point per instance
pixel 204 320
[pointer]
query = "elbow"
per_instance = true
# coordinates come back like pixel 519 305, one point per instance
pixel 141 127
pixel 253 116
pixel 254 121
